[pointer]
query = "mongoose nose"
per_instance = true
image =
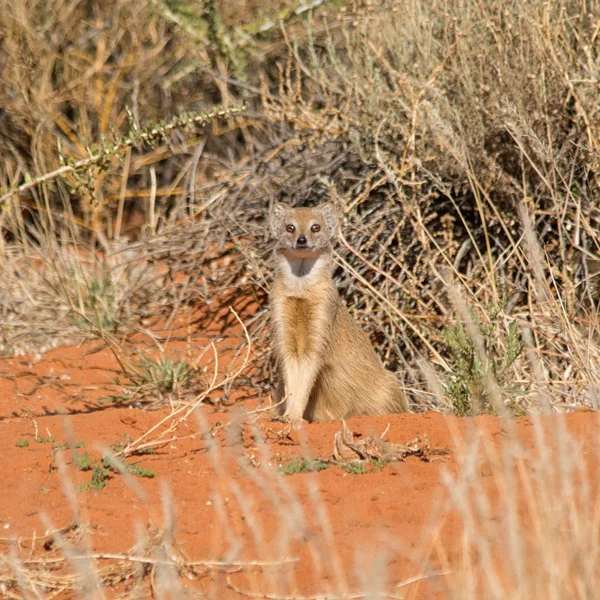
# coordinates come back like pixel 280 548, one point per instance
pixel 301 241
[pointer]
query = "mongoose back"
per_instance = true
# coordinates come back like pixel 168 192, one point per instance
pixel 327 366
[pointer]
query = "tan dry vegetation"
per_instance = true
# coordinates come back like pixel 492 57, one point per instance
pixel 141 144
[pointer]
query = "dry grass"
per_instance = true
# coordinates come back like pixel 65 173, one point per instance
pixel 459 140
pixel 430 148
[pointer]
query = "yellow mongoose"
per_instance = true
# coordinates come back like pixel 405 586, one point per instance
pixel 327 366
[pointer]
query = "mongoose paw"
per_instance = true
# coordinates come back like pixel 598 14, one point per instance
pixel 278 419
pixel 294 421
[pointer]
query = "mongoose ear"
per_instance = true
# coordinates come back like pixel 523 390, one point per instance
pixel 277 216
pixel 331 217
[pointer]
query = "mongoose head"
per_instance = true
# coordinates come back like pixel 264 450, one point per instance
pixel 303 231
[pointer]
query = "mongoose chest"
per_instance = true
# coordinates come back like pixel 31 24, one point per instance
pixel 299 316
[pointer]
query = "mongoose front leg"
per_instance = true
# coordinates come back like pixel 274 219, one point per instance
pixel 299 375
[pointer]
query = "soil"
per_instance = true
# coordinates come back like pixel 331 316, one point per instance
pixel 216 495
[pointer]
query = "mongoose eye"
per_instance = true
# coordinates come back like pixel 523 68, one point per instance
pixel 315 228
pixel 290 228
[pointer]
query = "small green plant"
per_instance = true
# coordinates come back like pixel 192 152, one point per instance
pixel 103 469
pixel 466 387
pixel 132 468
pixel 138 471
pixel 83 462
pixel 97 303
pixel 91 295
pixel 99 473
pixel 304 465
pixel 117 447
pixel 143 451
pixel 21 443
pixel 68 446
pixel 152 378
pixel 44 440
pixel 161 376
pixel 117 398
pixel 377 465
pixel 360 468
pixel 354 468
pixel 99 477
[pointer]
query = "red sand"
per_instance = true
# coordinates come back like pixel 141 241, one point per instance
pixel 393 512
